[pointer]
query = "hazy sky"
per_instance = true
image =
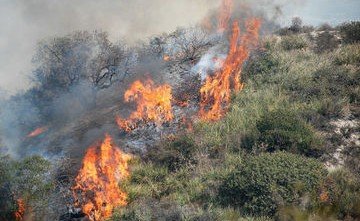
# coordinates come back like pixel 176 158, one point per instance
pixel 24 22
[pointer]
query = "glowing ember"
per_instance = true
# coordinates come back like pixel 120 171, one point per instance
pixel 96 189
pixel 37 132
pixel 216 91
pixel 153 104
pixel 19 214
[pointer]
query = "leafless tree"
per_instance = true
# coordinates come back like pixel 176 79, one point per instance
pixel 188 44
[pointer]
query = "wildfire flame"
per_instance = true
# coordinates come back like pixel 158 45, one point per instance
pixel 37 132
pixel 216 91
pixel 153 104
pixel 19 214
pixel 96 189
pixel 224 15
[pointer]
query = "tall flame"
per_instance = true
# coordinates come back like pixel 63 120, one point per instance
pixel 153 104
pixel 19 214
pixel 216 91
pixel 96 187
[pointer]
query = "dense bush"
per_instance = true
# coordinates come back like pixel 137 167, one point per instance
pixel 293 42
pixel 350 31
pixel 173 153
pixel 340 195
pixel 352 153
pixel 26 179
pixel 326 41
pixel 269 181
pixel 284 130
pixel 348 55
pixel 146 210
pixel 261 63
pixel 7 199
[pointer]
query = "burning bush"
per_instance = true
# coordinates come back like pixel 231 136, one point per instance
pixel 216 90
pixel 96 189
pixel 153 104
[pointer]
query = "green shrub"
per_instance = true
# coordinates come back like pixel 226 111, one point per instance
pixel 326 41
pixel 7 200
pixel 350 31
pixel 27 179
pixel 269 181
pixel 174 153
pixel 284 130
pixel 147 180
pixel 340 195
pixel 293 42
pixel 147 210
pixel 262 63
pixel 352 153
pixel 348 55
pixel 331 87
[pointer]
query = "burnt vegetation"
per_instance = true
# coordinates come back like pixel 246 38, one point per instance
pixel 288 148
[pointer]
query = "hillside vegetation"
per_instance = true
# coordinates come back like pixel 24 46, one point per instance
pixel 267 158
pixel 288 148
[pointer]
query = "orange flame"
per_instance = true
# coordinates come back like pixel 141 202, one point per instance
pixel 166 58
pixel 225 15
pixel 216 91
pixel 153 104
pixel 96 189
pixel 37 132
pixel 19 214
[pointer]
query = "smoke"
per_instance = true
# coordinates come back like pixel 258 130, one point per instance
pixel 24 22
pixel 209 63
pixel 132 20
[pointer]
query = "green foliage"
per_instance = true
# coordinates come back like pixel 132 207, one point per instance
pixel 348 55
pixel 7 201
pixel 293 42
pixel 266 182
pixel 261 63
pixel 174 153
pixel 31 177
pixel 326 41
pixel 167 210
pixel 220 171
pixel 352 153
pixel 26 179
pixel 350 31
pixel 238 129
pixel 341 195
pixel 284 130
